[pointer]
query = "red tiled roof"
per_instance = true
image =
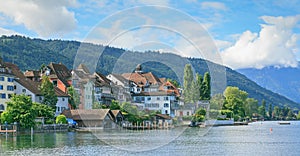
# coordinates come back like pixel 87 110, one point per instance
pixel 172 88
pixel 141 79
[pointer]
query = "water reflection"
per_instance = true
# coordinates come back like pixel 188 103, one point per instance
pixel 254 139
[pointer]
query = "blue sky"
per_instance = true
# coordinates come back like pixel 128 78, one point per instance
pixel 245 34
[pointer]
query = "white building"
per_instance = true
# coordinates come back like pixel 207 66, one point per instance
pixel 157 101
pixel 6 85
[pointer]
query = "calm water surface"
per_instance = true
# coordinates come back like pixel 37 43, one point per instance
pixel 254 139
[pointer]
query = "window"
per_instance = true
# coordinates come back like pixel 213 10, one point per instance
pixel 54 83
pixel 3 96
pixel 1 107
pixel 23 90
pixel 138 89
pixel 63 99
pixel 9 96
pixel 58 109
pixel 149 98
pixel 1 87
pixel 166 105
pixel 157 98
pixel 10 79
pixel 166 98
pixel 1 78
pixel 10 88
pixel 187 113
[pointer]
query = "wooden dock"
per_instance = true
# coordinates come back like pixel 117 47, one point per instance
pixel 8 131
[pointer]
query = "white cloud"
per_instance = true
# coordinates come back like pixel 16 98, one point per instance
pixel 213 5
pixel 46 18
pixel 274 45
pixel 7 32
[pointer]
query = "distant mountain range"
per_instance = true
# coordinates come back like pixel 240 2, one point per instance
pixel 30 53
pixel 285 81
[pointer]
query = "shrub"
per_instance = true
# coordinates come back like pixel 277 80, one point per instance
pixel 61 119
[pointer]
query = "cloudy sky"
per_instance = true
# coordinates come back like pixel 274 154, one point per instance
pixel 244 34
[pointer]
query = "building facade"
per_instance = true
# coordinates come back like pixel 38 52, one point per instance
pixel 6 85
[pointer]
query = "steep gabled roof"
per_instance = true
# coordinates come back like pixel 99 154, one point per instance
pixel 22 80
pixel 60 93
pixel 142 79
pixel 92 114
pixel 116 112
pixel 32 73
pixel 102 79
pixel 171 88
pixel 83 67
pixel 61 72
pixel 121 78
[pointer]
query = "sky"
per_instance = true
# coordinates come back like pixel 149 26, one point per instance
pixel 238 34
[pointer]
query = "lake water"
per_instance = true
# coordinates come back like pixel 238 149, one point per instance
pixel 254 139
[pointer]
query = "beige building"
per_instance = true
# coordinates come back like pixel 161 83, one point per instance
pixel 6 85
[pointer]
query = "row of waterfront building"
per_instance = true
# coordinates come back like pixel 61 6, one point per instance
pixel 145 90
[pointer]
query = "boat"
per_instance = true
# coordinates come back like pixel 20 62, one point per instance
pixel 284 123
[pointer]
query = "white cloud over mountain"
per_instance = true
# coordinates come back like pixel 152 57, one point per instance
pixel 274 45
pixel 46 18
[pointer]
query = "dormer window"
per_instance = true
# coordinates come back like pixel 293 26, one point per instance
pixel 2 70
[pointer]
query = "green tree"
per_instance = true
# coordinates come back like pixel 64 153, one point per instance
pixel 206 88
pixel 174 82
pixel 195 92
pixel 276 112
pixel 290 115
pixel 114 105
pixel 235 100
pixel 199 80
pixel 61 119
pixel 199 115
pixel 251 107
pixel 270 111
pixel 262 109
pixel 74 99
pixel 298 116
pixel 43 110
pixel 187 83
pixel 20 110
pixel 217 101
pixel 47 89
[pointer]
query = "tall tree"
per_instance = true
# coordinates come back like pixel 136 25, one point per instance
pixel 74 99
pixel 251 106
pixel 276 112
pixel 262 109
pixel 206 87
pixel 195 91
pixel 199 80
pixel 270 111
pixel 187 83
pixel 47 89
pixel 235 101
